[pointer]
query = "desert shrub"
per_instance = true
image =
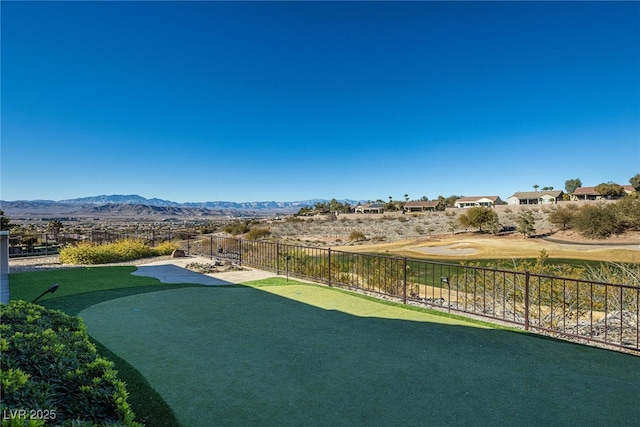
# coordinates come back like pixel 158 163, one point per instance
pixel 526 224
pixel 357 236
pixel 615 272
pixel 258 233
pixel 207 228
pixel 597 221
pixel 237 227
pixel 165 248
pixel 628 212
pixel 477 217
pixel 87 253
pixel 563 216
pixel 48 363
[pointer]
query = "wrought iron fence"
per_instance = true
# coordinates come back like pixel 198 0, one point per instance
pixel 586 311
pixel 35 244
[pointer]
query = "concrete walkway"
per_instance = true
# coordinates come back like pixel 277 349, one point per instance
pixel 174 271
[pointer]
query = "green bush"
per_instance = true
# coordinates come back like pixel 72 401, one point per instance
pixel 477 217
pixel 563 216
pixel 51 369
pixel 598 221
pixel 628 212
pixel 87 253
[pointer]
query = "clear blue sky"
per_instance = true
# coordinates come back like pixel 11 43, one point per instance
pixel 259 101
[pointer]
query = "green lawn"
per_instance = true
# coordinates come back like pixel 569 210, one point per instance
pixel 278 353
pixel 83 287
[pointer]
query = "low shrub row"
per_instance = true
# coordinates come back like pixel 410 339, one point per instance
pixel 52 374
pixel 124 250
pixel 599 220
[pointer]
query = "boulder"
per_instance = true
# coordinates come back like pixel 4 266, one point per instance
pixel 178 253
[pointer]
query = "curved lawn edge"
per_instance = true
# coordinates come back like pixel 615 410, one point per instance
pixel 107 283
pixel 148 405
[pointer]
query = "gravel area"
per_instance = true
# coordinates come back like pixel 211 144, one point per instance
pixel 50 262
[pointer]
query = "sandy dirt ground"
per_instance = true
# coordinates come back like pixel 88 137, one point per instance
pixel 435 235
pixel 482 246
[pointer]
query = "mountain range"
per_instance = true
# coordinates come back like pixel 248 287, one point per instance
pixel 133 205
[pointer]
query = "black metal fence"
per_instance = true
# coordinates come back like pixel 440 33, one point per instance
pixel 580 310
pixel 34 244
pixel 585 311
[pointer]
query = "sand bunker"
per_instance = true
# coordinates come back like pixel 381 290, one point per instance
pixel 448 250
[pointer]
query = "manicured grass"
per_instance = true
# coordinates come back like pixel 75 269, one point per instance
pixel 296 354
pixel 285 353
pixel 83 287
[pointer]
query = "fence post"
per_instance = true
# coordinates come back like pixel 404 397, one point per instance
pixel 278 258
pixel 329 267
pixel 240 251
pixel 210 247
pixel 404 281
pixel 526 301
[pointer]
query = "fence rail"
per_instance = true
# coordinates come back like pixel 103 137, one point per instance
pixel 592 312
pixel 585 311
pixel 34 244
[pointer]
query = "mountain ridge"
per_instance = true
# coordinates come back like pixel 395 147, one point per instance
pixel 221 204
pixel 133 205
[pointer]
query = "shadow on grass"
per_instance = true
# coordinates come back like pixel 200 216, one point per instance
pixel 242 356
pixel 83 287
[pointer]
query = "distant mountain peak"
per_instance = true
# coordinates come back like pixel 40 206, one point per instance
pixel 117 203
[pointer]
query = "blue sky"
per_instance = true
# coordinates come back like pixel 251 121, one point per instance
pixel 258 101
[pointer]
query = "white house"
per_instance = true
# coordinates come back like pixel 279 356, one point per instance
pixel 470 202
pixel 370 208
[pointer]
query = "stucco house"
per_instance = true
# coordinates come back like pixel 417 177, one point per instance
pixel 536 197
pixel 590 193
pixel 473 201
pixel 370 208
pixel 421 206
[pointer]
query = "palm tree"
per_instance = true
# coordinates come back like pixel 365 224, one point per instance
pixel 535 187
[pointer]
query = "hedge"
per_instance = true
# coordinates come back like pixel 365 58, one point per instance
pixel 121 251
pixel 52 374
